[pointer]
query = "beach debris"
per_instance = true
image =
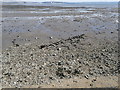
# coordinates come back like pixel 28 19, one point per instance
pixel 17 45
pixel 36 38
pixel 50 37
pixel 42 46
pixel 29 30
pixel 18 36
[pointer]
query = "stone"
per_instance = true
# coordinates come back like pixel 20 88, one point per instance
pixel 51 37
pixel 91 84
pixel 59 49
pixel 86 76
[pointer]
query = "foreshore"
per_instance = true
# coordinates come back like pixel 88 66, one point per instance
pixel 49 46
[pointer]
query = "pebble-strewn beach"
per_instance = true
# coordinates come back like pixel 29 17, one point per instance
pixel 47 46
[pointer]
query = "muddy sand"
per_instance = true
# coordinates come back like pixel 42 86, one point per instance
pixel 49 46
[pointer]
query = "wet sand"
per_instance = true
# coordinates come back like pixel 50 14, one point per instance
pixel 50 44
pixel 38 24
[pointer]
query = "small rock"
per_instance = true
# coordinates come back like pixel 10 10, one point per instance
pixel 75 30
pixel 86 76
pixel 81 72
pixel 76 71
pixel 17 45
pixel 15 83
pixel 28 73
pixel 91 84
pixel 91 73
pixel 75 81
pixel 54 54
pixel 51 78
pixel 29 30
pixel 111 32
pixel 18 36
pixel 94 80
pixel 51 37
pixel 8 74
pixel 42 46
pixel 36 38
pixel 59 49
pixel 60 63
pixel 68 85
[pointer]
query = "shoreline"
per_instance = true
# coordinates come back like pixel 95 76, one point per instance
pixel 39 51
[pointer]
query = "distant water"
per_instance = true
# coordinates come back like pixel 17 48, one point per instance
pixel 82 4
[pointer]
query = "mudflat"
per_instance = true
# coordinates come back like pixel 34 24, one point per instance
pixel 47 46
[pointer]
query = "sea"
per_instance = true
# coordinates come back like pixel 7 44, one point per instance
pixel 66 4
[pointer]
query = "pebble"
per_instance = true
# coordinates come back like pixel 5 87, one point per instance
pixel 75 81
pixel 51 37
pixel 59 49
pixel 86 76
pixel 36 38
pixel 94 80
pixel 91 84
pixel 18 36
pixel 51 78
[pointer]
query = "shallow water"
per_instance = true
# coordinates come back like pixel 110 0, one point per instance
pixel 87 4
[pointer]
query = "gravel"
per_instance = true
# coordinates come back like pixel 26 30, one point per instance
pixel 35 64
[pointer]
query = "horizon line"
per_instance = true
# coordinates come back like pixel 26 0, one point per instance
pixel 59 1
